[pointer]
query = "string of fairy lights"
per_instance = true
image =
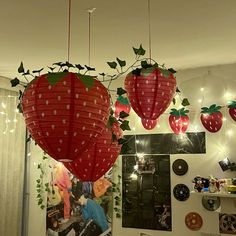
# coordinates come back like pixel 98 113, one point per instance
pixel 9 113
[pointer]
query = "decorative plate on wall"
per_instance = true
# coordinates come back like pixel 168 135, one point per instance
pixel 180 167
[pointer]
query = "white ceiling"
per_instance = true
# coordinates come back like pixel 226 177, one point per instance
pixel 185 33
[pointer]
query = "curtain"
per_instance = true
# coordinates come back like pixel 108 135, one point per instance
pixel 12 141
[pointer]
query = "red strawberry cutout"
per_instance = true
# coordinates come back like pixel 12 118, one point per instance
pixel 179 120
pixel 65 113
pixel 121 104
pixel 211 118
pixel 98 159
pixel 232 110
pixel 150 91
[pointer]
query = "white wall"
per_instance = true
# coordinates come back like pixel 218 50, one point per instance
pixel 221 79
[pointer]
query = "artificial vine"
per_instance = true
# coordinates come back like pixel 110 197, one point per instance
pixel 41 185
pixel 117 196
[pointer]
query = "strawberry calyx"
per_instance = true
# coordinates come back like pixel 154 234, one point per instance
pixel 211 110
pixel 232 104
pixel 180 112
pixel 123 100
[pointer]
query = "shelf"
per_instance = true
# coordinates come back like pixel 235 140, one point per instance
pixel 226 195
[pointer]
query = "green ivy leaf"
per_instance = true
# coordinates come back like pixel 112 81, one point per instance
pixel 172 70
pixel 89 68
pixel 78 66
pixel 114 138
pixel 125 125
pixel 42 207
pixel 45 157
pixel 111 121
pixel 87 80
pixel 51 68
pixel 185 102
pixel 123 115
pixel 37 71
pixel 118 215
pixel 137 72
pixel 26 73
pixel 21 68
pixel 102 74
pixel 69 65
pixel 14 82
pixel 19 108
pixel 38 180
pixel 122 141
pixel 120 91
pixel 145 65
pixel 174 101
pixel 112 64
pixel 121 62
pixel 177 90
pixel 139 51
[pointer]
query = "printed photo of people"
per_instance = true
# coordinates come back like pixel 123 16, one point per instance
pixel 76 208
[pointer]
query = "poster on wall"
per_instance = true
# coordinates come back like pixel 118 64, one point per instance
pixel 146 192
pixel 76 208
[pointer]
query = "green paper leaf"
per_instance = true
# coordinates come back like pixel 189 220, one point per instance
pixel 21 68
pixel 14 82
pixel 112 64
pixel 60 64
pixel 42 207
pixel 89 68
pixel 123 115
pixel 26 73
pixel 125 125
pixel 121 62
pixel 51 68
pixel 120 91
pixel 38 180
pixel 87 80
pixel 185 102
pixel 53 78
pixel 114 138
pixel 111 121
pixel 122 141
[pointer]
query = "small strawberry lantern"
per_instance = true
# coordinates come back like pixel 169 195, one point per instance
pixel 211 118
pixel 232 109
pixel 121 104
pixel 98 159
pixel 179 120
pixel 150 92
pixel 65 113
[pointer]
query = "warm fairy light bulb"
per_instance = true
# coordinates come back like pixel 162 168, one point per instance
pixel 134 128
pixel 137 141
pixel 4 132
pixel 133 176
pixel 200 100
pixel 4 105
pixel 136 167
pixel 12 130
pixel 227 95
pixel 224 119
pixel 15 120
pixel 202 89
pixel 230 132
pixel 158 126
pixel 29 154
pixel 17 110
pixel 3 113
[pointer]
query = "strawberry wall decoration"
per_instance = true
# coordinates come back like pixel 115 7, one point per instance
pixel 179 120
pixel 121 104
pixel 232 109
pixel 96 161
pixel 211 118
pixel 65 113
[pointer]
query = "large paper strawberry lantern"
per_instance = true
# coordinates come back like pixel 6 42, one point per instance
pixel 150 91
pixel 97 160
pixel 211 118
pixel 65 113
pixel 179 120
pixel 232 110
pixel 121 104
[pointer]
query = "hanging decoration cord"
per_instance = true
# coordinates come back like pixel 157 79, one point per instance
pixel 69 31
pixel 90 11
pixel 149 30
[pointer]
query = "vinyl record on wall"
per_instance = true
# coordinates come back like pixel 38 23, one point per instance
pixel 180 167
pixel 227 223
pixel 193 221
pixel 211 203
pixel 181 192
